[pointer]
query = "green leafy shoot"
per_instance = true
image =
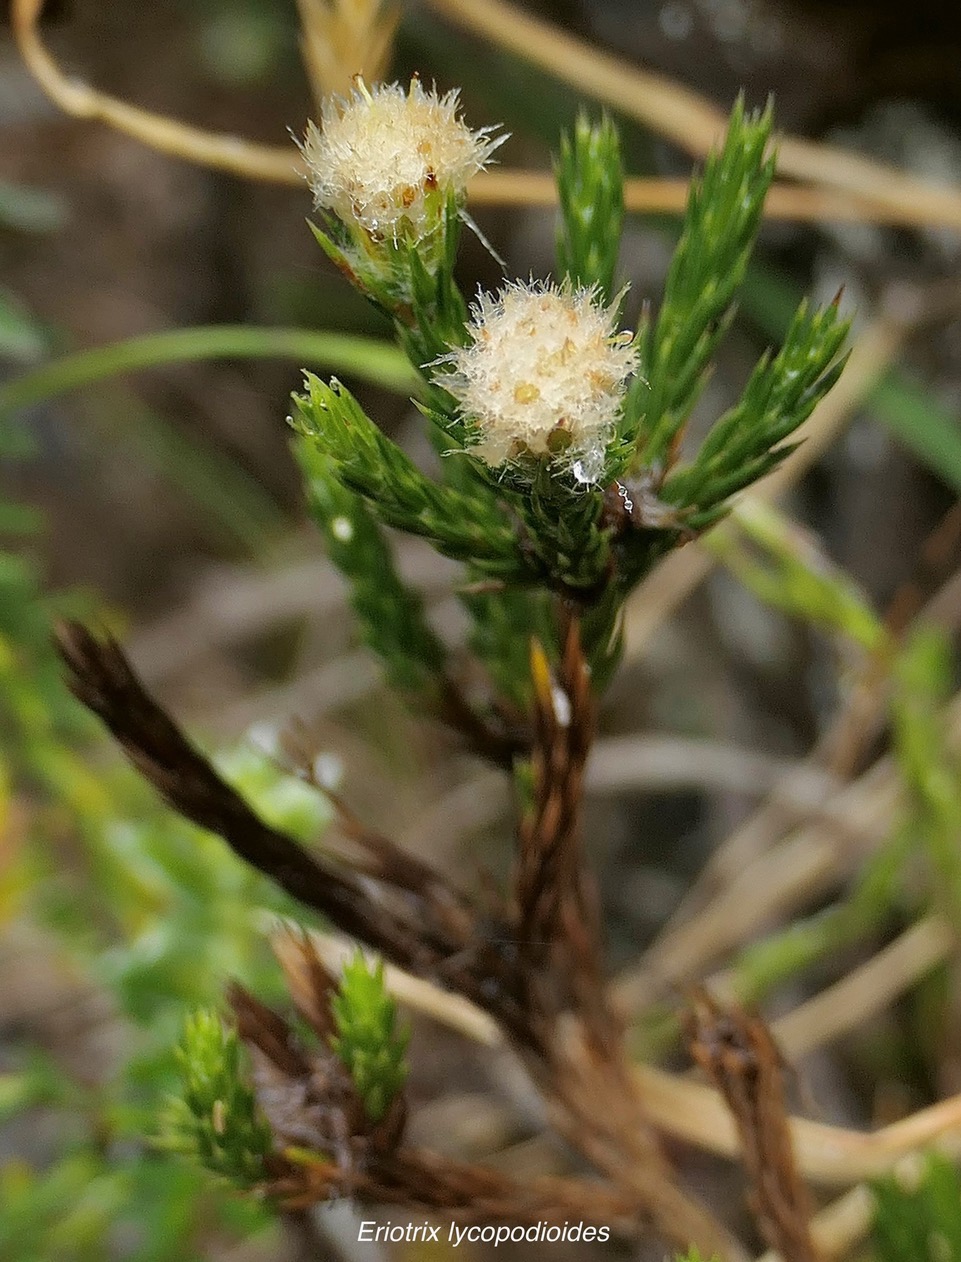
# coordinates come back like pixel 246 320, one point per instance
pixel 382 281
pixel 173 913
pixel 723 214
pixel 412 283
pixel 919 1222
pixel 368 462
pixel 214 1120
pixel 590 186
pixel 367 1038
pixel 749 440
pixel 565 530
pixel 390 613
pixel 911 410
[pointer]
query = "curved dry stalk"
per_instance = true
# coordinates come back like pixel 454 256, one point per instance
pixel 805 864
pixel 857 996
pixel 660 760
pixel 220 151
pixel 325 62
pixel 830 763
pixel 839 1225
pixel 828 1155
pixel 867 989
pixel 808 861
pixel 684 116
pixel 652 195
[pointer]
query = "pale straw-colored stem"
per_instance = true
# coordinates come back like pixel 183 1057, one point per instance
pixel 804 865
pixel 222 152
pixel 682 115
pixel 867 989
pixel 807 862
pixel 281 164
pixel 501 186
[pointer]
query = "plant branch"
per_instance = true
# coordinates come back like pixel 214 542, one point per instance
pixel 400 907
pixel 663 591
pixel 738 1054
pixel 696 1113
pixel 554 891
pixel 392 902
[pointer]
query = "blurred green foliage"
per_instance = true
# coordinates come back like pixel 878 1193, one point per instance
pixel 140 906
pixel 919 1219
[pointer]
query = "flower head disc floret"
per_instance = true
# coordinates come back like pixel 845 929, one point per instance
pixel 544 373
pixel 386 159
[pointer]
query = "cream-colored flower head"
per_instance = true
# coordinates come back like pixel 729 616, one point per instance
pixel 387 158
pixel 545 371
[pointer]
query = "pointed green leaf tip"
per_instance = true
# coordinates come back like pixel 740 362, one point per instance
pixel 214 1121
pixel 590 185
pixel 722 219
pixel 367 1039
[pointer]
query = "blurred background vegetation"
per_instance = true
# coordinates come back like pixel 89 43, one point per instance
pixel 167 502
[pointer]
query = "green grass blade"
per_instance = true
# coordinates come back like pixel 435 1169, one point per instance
pixel 928 429
pixel 367 358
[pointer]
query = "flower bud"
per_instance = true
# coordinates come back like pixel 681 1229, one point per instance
pixel 543 375
pixel 385 162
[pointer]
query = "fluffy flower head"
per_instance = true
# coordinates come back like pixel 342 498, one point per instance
pixel 386 158
pixel 545 372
